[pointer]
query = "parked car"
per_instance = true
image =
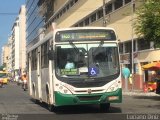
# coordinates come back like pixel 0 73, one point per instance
pixel 4 77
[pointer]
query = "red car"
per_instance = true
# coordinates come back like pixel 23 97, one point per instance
pixel 152 85
pixel 1 82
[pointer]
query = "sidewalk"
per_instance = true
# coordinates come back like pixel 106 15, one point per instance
pixel 139 93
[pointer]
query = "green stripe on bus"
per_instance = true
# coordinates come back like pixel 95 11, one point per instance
pixel 78 99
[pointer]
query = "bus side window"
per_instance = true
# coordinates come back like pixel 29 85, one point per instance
pixel 61 58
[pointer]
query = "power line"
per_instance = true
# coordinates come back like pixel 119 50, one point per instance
pixel 1 13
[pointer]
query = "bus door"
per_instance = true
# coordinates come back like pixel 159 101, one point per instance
pixel 29 74
pixel 39 75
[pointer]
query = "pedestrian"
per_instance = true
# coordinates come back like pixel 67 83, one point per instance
pixel 130 81
pixel 24 77
pixel 24 82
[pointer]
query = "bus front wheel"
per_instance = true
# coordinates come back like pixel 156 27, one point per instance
pixel 50 107
pixel 104 107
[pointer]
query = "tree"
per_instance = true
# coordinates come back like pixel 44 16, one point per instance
pixel 2 67
pixel 148 21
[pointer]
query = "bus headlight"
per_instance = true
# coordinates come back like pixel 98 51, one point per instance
pixel 64 90
pixel 113 87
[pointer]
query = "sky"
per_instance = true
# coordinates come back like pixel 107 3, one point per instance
pixel 11 7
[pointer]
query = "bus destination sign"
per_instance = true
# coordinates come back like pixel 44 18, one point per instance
pixel 82 35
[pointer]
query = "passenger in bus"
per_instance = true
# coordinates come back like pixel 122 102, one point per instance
pixel 70 62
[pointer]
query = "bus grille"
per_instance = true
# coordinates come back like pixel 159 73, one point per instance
pixel 86 98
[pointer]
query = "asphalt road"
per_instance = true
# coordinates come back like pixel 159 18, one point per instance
pixel 16 103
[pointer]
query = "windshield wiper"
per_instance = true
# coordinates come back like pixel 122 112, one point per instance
pixel 74 46
pixel 99 46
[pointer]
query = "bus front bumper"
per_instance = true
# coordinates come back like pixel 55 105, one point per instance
pixel 79 99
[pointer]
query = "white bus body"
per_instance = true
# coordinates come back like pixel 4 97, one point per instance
pixel 93 76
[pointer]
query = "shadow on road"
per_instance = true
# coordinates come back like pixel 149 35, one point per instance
pixel 154 107
pixel 156 98
pixel 79 109
pixel 84 109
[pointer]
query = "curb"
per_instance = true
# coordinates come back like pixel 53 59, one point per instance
pixel 140 94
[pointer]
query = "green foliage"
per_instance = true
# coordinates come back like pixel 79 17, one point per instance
pixel 1 67
pixel 148 21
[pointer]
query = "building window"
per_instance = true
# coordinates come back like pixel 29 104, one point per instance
pixel 57 17
pixel 118 4
pixel 100 14
pixel 81 24
pixel 60 14
pixel 128 46
pixel 67 7
pixel 134 45
pixel 127 1
pixel 64 10
pixel 143 44
pixel 121 48
pixel 108 8
pixel 75 1
pixel 71 3
pixel 86 21
pixel 93 17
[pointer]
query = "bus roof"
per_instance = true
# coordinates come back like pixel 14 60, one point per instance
pixel 82 28
pixel 50 34
pixel 85 33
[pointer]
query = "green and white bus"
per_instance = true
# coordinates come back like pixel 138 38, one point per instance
pixel 75 66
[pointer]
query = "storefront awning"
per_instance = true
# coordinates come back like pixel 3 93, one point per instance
pixel 152 66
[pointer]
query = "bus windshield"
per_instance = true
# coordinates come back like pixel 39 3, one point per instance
pixel 87 60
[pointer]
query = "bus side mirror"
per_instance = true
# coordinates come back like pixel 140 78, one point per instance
pixel 51 55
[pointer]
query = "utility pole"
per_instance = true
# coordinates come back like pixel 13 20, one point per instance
pixel 132 35
pixel 104 14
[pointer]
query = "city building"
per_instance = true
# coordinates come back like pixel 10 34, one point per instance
pixel 9 60
pixel 5 54
pixel 34 21
pixel 118 14
pixel 17 44
pixel 22 38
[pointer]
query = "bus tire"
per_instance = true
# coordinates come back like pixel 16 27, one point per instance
pixel 34 95
pixel 33 91
pixel 49 105
pixel 104 107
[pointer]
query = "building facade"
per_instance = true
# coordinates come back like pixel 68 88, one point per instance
pixel 9 60
pixel 34 21
pixel 5 55
pixel 118 14
pixel 22 38
pixel 17 44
